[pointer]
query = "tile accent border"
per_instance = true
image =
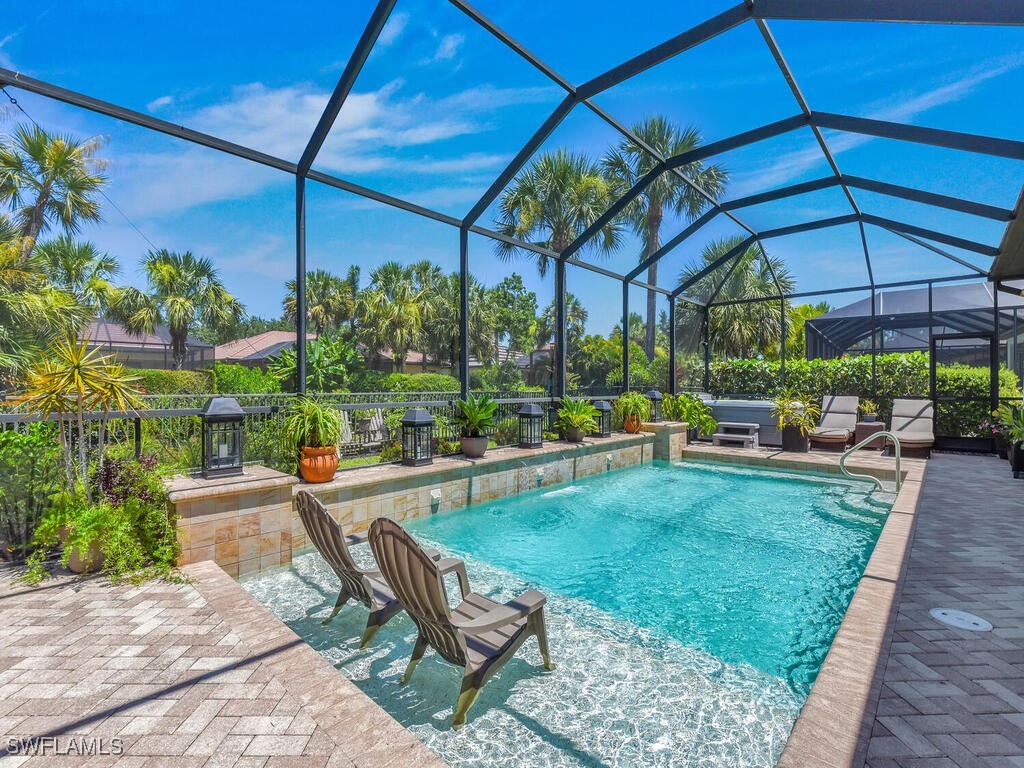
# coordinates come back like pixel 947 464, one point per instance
pixel 249 524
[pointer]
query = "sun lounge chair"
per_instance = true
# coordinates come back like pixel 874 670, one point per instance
pixel 361 584
pixel 837 424
pixel 479 635
pixel 913 423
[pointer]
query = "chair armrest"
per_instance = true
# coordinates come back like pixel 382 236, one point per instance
pixel 530 601
pixel 455 565
pixel 357 538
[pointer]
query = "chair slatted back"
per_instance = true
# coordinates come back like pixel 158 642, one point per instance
pixel 416 581
pixel 913 416
pixel 839 412
pixel 327 536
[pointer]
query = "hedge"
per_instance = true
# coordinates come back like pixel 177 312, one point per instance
pixel 234 379
pixel 898 376
pixel 168 382
pixel 378 381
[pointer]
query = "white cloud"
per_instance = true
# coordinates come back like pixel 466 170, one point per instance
pixel 371 129
pixel 5 60
pixel 447 49
pixel 902 108
pixel 393 29
pixel 160 103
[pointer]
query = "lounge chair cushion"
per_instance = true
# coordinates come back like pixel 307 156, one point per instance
pixel 915 438
pixel 830 433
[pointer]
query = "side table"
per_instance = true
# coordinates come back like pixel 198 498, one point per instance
pixel 866 429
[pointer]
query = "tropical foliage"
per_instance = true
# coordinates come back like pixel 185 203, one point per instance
pixel 330 365
pixel 184 292
pixel 475 415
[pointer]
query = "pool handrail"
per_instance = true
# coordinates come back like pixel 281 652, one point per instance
pixel 858 476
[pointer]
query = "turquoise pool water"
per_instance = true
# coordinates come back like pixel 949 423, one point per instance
pixel 690 608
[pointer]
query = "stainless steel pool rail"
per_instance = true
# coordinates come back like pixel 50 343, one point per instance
pixel 858 476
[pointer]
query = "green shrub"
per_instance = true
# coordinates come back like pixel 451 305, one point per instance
pixel 391 451
pixel 507 431
pixel 160 382
pixel 899 375
pixel 234 379
pixel 428 382
pixel 130 524
pixel 265 442
pixel 32 475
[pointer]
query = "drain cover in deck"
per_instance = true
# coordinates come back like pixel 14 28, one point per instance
pixel 961 619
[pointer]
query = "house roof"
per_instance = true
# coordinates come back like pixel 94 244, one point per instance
pixel 112 334
pixel 258 347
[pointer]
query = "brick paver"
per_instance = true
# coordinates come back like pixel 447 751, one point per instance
pixel 950 697
pixel 181 675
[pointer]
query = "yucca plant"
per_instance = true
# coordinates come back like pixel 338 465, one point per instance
pixel 310 423
pixel 576 417
pixel 475 415
pixel 71 381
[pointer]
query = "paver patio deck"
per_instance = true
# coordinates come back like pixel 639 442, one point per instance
pixel 951 697
pixel 201 675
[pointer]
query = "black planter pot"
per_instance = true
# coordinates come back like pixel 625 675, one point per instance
pixel 793 440
pixel 1017 459
pixel 1002 449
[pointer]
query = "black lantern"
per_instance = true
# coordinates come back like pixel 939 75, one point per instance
pixel 531 426
pixel 222 437
pixel 417 437
pixel 604 418
pixel 655 397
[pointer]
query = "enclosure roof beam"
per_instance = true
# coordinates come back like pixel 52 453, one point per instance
pixel 936 249
pixel 345 83
pixel 956 242
pixel 18 80
pixel 709 268
pixel 854 289
pixel 936 137
pixel 808 226
pixel 986 12
pixel 929 198
pixel 781 193
pixel 699 153
pixel 659 53
pixel 669 245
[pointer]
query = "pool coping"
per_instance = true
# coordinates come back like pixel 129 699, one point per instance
pixel 835 722
pixel 365 734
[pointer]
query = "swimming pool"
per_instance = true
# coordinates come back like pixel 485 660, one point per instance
pixel 690 607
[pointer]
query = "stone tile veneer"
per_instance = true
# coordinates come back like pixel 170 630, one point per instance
pixel 248 524
pixel 244 524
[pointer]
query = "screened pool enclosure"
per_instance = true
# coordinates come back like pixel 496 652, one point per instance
pixel 953 293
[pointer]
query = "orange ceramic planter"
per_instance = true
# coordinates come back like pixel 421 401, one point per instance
pixel 318 465
pixel 632 424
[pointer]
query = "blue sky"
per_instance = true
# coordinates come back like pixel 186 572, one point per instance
pixel 441 107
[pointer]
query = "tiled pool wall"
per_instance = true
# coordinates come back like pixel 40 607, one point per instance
pixel 249 524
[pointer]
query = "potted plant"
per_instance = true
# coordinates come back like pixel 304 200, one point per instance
pixel 695 412
pixel 1013 417
pixel 995 427
pixel 576 418
pixel 475 416
pixel 312 430
pixel 634 408
pixel 868 410
pixel 797 415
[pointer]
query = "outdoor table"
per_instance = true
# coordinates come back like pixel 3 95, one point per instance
pixel 866 429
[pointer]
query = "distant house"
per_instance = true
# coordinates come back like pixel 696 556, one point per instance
pixel 146 350
pixel 536 365
pixel 255 351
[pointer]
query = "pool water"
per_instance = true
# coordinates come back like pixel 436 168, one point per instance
pixel 690 607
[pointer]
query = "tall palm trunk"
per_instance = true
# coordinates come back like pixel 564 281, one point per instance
pixel 34 226
pixel 654 217
pixel 179 346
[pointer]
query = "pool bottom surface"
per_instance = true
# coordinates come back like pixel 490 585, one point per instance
pixel 619 696
pixel 689 608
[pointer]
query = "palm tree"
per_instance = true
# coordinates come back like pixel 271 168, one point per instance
pixel 740 330
pixel 81 269
pixel 33 313
pixel 49 179
pixel 442 335
pixel 628 162
pixel 392 311
pixel 796 336
pixel 553 201
pixel 184 291
pixel 329 301
pixel 352 281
